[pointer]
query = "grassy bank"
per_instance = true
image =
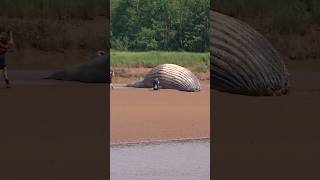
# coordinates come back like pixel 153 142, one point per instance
pixel 129 66
pixel 53 43
pixel 57 35
pixel 150 59
pixel 52 34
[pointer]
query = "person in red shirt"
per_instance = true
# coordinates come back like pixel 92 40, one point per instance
pixel 5 41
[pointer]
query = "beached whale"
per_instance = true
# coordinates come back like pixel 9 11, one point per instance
pixel 242 61
pixel 171 76
pixel 94 71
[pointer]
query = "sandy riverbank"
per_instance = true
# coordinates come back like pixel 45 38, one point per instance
pixel 146 115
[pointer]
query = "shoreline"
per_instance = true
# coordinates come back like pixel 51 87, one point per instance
pixel 160 141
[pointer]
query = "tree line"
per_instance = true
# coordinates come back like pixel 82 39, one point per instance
pixel 169 25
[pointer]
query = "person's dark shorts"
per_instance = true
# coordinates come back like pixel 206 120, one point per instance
pixel 2 62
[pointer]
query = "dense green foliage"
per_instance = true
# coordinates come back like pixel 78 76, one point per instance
pixel 53 8
pixel 160 25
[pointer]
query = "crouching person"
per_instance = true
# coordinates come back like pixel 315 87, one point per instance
pixel 156 84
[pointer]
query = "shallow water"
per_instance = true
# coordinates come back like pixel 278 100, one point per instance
pixel 188 160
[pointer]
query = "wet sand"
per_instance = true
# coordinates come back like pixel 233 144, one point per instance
pixel 140 114
pixel 270 137
pixel 49 128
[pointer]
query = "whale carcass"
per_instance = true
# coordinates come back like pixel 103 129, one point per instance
pixel 171 76
pixel 242 61
pixel 94 71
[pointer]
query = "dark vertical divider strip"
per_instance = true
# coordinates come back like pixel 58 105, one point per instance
pixel 108 91
pixel 212 120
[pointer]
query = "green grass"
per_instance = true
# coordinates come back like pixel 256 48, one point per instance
pixel 53 8
pixel 149 59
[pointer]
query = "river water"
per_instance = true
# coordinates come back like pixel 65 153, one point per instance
pixel 178 160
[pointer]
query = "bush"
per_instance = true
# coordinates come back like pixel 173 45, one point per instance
pixel 145 40
pixel 121 43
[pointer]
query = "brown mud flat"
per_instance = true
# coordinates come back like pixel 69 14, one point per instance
pixel 48 128
pixel 140 114
pixel 270 137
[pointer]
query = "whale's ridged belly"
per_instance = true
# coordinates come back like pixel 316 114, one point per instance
pixel 171 76
pixel 243 61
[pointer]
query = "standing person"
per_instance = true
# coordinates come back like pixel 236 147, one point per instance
pixel 6 41
pixel 111 76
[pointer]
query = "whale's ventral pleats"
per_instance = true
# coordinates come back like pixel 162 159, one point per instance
pixel 243 61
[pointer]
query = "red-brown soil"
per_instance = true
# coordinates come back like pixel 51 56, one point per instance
pixel 146 115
